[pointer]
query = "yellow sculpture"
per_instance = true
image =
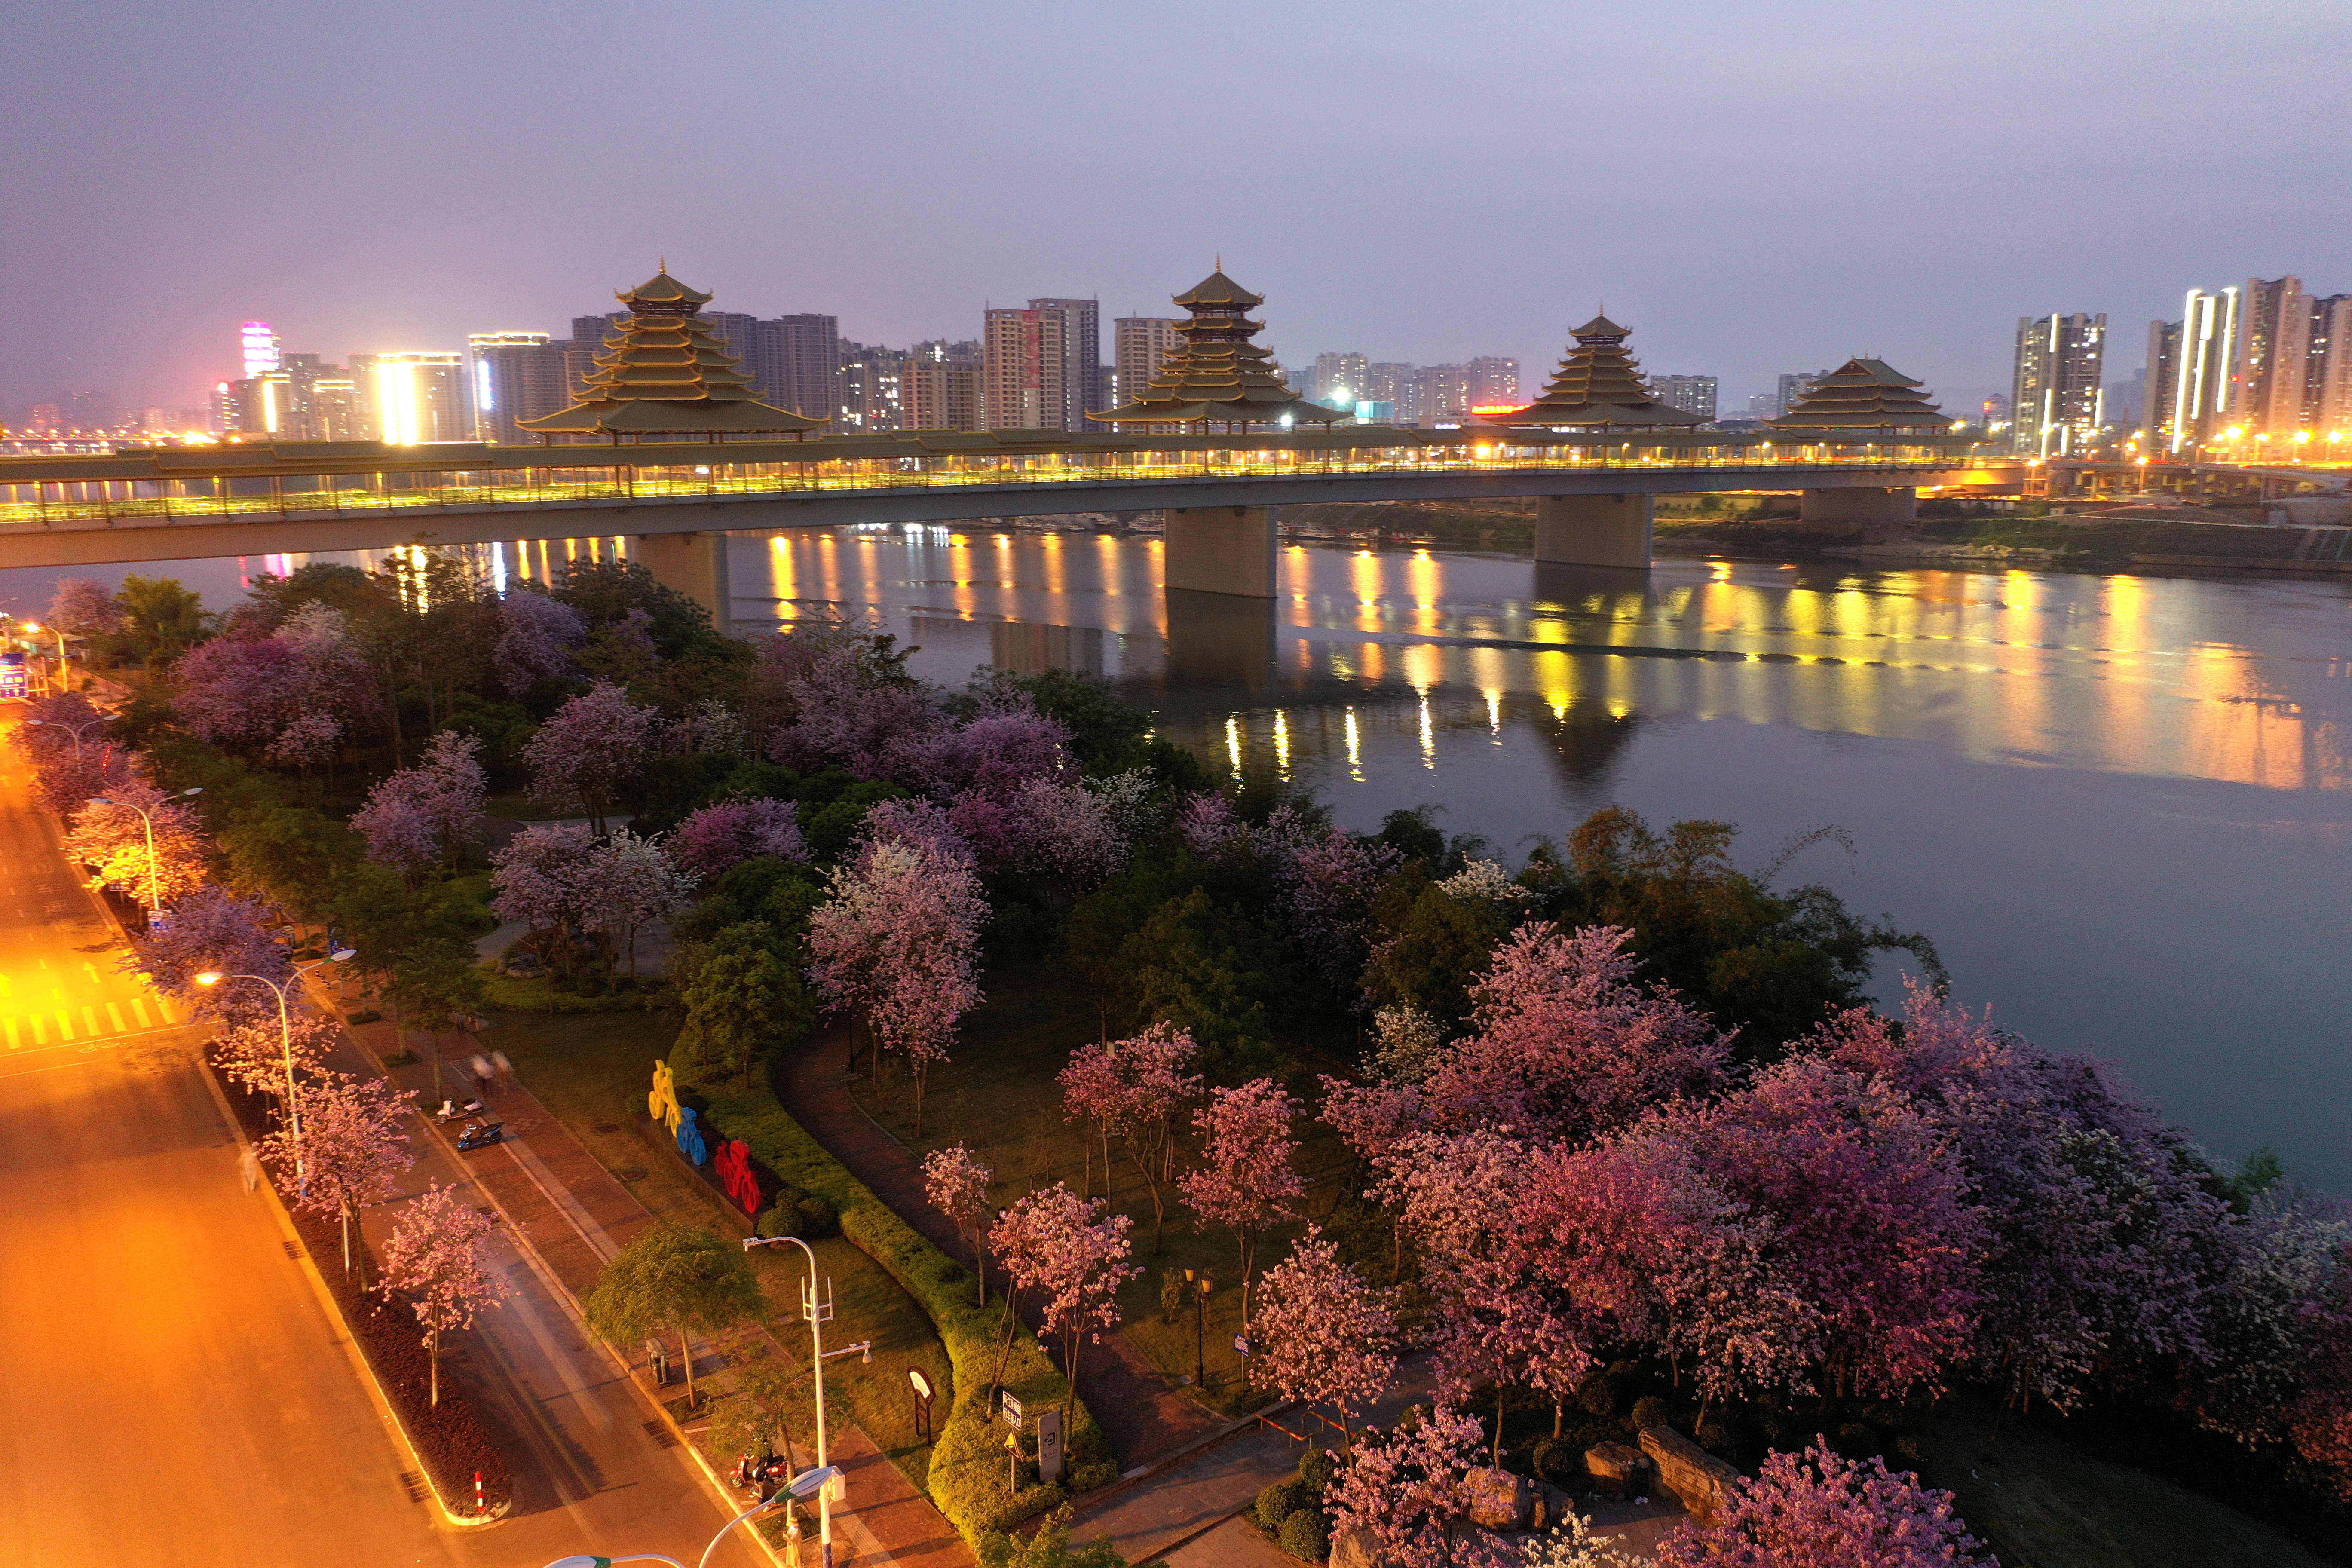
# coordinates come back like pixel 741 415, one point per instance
pixel 662 1103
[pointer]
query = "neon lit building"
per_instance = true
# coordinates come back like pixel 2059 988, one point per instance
pixel 260 342
pixel 415 397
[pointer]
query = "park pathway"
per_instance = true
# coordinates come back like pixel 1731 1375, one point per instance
pixel 1143 1414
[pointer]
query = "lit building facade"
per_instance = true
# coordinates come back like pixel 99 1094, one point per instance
pixel 258 345
pixel 2056 388
pixel 939 385
pixel 1690 394
pixel 1138 345
pixel 1023 366
pixel 1340 380
pixel 412 397
pixel 512 376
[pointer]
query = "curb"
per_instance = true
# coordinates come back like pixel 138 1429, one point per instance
pixel 351 1345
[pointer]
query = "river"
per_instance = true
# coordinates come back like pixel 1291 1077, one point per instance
pixel 2121 806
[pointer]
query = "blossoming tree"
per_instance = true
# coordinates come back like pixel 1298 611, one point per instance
pixel 1245 1181
pixel 1408 1487
pixel 1135 1087
pixel 436 1260
pixel 1324 1336
pixel 1069 1257
pixel 956 1182
pixel 588 750
pixel 344 1151
pixel 1819 1510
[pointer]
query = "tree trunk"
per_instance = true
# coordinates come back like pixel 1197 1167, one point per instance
pixel 1159 1205
pixel 433 1354
pixel 1498 1426
pixel 922 1076
pixel 685 1358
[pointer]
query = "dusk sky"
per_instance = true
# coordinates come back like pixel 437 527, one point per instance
pixel 1752 188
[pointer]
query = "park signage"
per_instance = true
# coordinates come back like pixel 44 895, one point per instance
pixel 1011 1407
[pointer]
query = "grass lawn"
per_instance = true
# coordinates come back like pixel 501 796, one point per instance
pixel 998 1096
pixel 591 1070
pixel 2043 1503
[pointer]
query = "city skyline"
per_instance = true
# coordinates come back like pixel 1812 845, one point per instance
pixel 1755 237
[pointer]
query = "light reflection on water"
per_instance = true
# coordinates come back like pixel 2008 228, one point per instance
pixel 2121 805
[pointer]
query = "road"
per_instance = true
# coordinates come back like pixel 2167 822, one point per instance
pixel 177 1392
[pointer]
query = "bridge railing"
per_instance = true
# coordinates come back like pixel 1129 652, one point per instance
pixel 104 501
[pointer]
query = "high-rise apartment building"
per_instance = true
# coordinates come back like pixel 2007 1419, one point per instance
pixel 1494 382
pixel 2291 360
pixel 257 346
pixel 939 385
pixel 1687 393
pixel 2056 387
pixel 513 376
pixel 1083 391
pixel 1024 369
pixel 795 362
pixel 412 397
pixel 2188 370
pixel 1338 380
pixel 1138 345
pixel 873 387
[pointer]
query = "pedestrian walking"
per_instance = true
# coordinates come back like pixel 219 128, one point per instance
pixel 505 1068
pixel 249 1168
pixel 482 1074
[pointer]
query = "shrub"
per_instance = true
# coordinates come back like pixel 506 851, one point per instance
pixel 1649 1411
pixel 1307 1534
pixel 1560 1460
pixel 819 1217
pixel 1279 1503
pixel 1858 1440
pixel 1598 1396
pixel 782 1217
pixel 1316 1469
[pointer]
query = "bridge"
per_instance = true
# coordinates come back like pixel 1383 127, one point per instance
pixel 676 500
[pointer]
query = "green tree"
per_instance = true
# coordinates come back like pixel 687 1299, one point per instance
pixel 296 859
pixel 1193 964
pixel 161 619
pixel 1432 945
pixel 674 1279
pixel 744 994
pixel 432 984
pixel 1047 1547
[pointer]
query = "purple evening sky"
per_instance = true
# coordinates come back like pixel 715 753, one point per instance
pixel 1753 188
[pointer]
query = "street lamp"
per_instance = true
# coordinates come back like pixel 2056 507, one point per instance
pixel 74 730
pixel 1201 1285
pixel 800 1486
pixel 818 1313
pixel 58 632
pixel 286 1040
pixel 154 901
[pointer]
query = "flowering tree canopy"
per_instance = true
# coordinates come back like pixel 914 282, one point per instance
pixel 1070 1257
pixel 897 942
pixel 1245 1181
pixel 436 1257
pixel 627 881
pixel 1324 1336
pixel 254 1052
pixel 346 1151
pixel 537 637
pixel 84 607
pixel 588 750
pixel 296 695
pixel 211 930
pixel 538 877
pixel 717 837
pixel 114 840
pixel 1819 1510
pixel 1134 1088
pixel 1409 1486
pixel 957 1183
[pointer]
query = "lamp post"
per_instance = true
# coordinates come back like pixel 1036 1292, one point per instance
pixel 153 902
pixel 58 632
pixel 800 1486
pixel 286 1040
pixel 73 729
pixel 1200 1288
pixel 818 1313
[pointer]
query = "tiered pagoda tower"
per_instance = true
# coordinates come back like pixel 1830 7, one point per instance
pixel 1217 375
pixel 665 374
pixel 1863 397
pixel 1598 385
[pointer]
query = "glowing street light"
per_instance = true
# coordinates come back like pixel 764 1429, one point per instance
pixel 286 1041
pixel 817 1313
pixel 154 903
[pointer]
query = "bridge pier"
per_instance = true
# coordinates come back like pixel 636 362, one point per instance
pixel 693 564
pixel 1220 639
pixel 1221 550
pixel 1593 530
pixel 1864 505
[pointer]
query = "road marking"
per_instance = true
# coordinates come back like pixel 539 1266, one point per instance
pixel 39 1038
pixel 10 1024
pixel 114 1016
pixel 139 1011
pixel 65 1024
pixel 89 1019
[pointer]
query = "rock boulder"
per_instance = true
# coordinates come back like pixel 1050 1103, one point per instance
pixel 1618 1469
pixel 1701 1481
pixel 1499 1499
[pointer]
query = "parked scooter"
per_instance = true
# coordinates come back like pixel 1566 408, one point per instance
pixel 480 1134
pixel 759 1478
pixel 450 1112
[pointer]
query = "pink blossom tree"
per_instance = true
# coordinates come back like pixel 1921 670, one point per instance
pixel 994 755
pixel 1245 1181
pixel 253 1052
pixel 1872 1223
pixel 1407 1487
pixel 898 943
pixel 538 879
pixel 626 882
pixel 852 709
pixel 1564 1045
pixel 1135 1089
pixel 436 1258
pixel 590 747
pixel 1326 878
pixel 113 840
pixel 84 607
pixel 296 695
pixel 1324 1336
pixel 957 1183
pixel 398 835
pixel 68 749
pixel 343 1149
pixel 718 836
pixel 1820 1510
pixel 1070 1257
pixel 537 637
pixel 213 930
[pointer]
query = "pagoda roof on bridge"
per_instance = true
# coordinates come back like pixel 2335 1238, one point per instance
pixel 666 373
pixel 1598 385
pixel 1217 375
pixel 1864 394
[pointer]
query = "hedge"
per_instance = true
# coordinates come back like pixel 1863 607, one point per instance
pixel 968 1479
pixel 508 994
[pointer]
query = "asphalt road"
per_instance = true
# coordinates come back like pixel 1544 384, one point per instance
pixel 176 1391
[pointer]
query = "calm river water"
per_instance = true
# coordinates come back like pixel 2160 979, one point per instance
pixel 2122 807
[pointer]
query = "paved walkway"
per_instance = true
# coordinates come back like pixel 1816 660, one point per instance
pixel 1144 1415
pixel 575 1215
